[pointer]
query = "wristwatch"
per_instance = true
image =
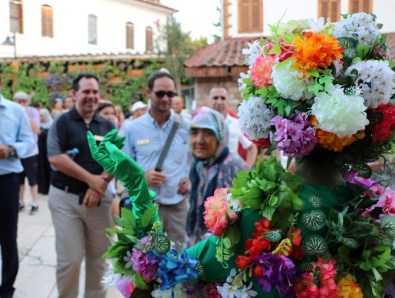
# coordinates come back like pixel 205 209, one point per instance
pixel 12 152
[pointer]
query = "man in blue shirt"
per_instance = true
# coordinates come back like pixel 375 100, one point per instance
pixel 16 139
pixel 145 139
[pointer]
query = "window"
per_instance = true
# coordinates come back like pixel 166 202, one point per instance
pixel 129 35
pixel 16 16
pixel 329 9
pixel 46 21
pixel 360 6
pixel 250 16
pixel 149 43
pixel 92 29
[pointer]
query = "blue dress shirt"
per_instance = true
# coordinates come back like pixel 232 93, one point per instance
pixel 15 131
pixel 144 142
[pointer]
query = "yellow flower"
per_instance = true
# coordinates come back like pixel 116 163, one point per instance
pixel 314 51
pixel 348 288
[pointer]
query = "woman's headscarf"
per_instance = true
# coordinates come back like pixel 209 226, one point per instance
pixel 46 123
pixel 209 119
pixel 207 175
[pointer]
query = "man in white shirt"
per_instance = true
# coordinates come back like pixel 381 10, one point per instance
pixel 218 98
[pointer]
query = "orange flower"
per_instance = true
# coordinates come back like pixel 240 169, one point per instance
pixel 348 288
pixel 314 51
pixel 331 141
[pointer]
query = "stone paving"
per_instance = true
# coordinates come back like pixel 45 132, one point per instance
pixel 37 256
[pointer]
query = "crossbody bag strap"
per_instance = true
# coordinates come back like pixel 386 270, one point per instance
pixel 165 150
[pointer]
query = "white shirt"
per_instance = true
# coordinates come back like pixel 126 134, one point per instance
pixel 236 135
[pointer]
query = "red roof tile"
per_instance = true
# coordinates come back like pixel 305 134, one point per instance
pixel 221 53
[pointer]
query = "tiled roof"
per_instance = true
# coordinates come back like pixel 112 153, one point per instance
pixel 221 53
pixel 227 53
pixel 85 57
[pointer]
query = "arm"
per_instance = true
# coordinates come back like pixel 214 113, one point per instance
pixel 252 153
pixel 24 142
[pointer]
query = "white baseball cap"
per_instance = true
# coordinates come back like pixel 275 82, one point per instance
pixel 137 105
pixel 20 95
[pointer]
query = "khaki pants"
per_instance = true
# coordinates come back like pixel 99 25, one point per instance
pixel 79 231
pixel 174 219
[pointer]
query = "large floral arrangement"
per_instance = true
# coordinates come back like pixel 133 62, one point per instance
pixel 321 85
pixel 351 259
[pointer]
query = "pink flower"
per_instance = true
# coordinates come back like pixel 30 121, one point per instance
pixel 218 213
pixel 386 204
pixel 261 71
pixel 286 51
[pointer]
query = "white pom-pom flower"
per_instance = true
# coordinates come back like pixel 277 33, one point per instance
pixel 376 81
pixel 361 26
pixel 338 113
pixel 288 81
pixel 255 118
pixel 254 50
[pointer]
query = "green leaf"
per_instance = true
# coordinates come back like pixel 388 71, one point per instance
pixel 148 216
pixel 161 243
pixel 388 224
pixel 139 282
pixel 273 236
pixel 363 51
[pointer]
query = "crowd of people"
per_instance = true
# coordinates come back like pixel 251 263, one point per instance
pixel 185 157
pixel 201 156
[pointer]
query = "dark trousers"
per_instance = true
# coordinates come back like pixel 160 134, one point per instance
pixel 9 189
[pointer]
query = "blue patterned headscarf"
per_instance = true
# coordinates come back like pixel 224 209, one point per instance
pixel 214 121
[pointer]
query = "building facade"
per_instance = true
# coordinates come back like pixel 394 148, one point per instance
pixel 85 27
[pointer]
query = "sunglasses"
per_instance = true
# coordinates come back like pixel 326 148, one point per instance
pixel 161 94
pixel 219 97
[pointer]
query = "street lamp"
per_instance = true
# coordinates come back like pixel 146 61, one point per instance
pixel 11 41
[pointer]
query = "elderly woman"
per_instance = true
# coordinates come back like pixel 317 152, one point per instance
pixel 213 167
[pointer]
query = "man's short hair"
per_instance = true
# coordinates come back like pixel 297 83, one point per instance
pixel 20 95
pixel 78 78
pixel 157 75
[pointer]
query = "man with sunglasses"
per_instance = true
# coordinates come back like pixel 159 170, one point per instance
pixel 145 139
pixel 219 100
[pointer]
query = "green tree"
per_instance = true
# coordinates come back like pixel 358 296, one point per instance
pixel 179 47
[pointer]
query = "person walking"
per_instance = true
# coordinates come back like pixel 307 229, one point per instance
pixel 78 197
pixel 145 139
pixel 219 99
pixel 29 161
pixel 44 169
pixel 16 139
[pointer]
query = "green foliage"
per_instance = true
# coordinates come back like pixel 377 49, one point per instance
pixel 48 80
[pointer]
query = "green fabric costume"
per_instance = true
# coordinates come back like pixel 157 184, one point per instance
pixel 118 164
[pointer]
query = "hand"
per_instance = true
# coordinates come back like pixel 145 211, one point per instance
pixel 4 151
pixel 183 186
pixel 98 184
pixel 154 178
pixel 92 198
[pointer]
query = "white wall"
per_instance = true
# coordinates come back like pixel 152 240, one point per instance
pixel 71 27
pixel 274 10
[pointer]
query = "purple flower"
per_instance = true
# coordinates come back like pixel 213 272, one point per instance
pixel 294 137
pixel 144 263
pixel 278 271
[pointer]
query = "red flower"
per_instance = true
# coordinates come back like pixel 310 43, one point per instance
pixel 296 239
pixel 243 261
pixel 383 130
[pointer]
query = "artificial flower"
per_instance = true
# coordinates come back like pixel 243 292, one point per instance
pixel 314 51
pixel 255 118
pixel 289 82
pixel 361 26
pixel 254 50
pixel 385 203
pixel 218 214
pixel 175 268
pixel 338 113
pixel 235 289
pixel 178 291
pixel 286 51
pixel 261 70
pixel 376 81
pixel 294 137
pixel 125 286
pixel 348 288
pixel 277 271
pixel 383 130
pixel 144 264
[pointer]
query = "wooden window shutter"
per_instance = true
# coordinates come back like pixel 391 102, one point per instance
pixel 46 21
pixel 329 9
pixel 149 43
pixel 129 35
pixel 250 16
pixel 360 6
pixel 92 29
pixel 16 17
